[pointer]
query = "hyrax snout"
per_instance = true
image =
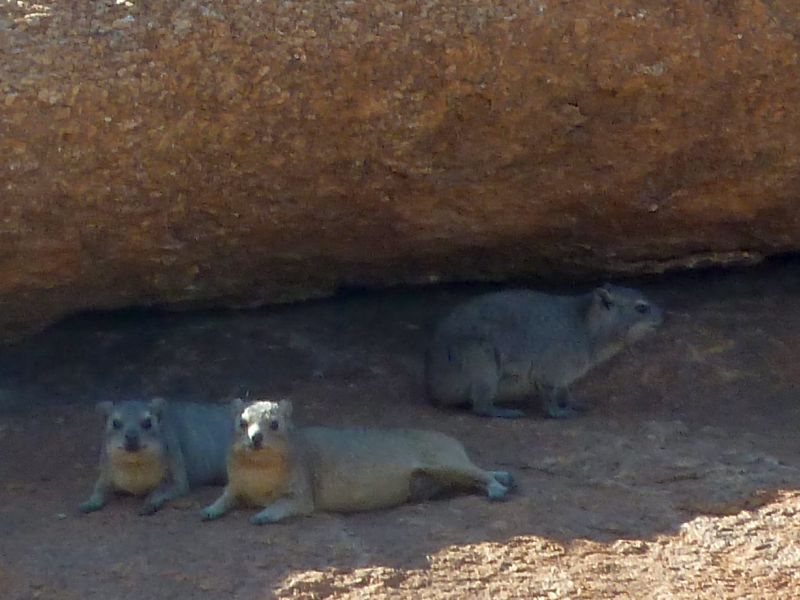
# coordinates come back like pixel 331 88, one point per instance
pixel 133 427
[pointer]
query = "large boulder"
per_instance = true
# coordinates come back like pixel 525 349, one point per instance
pixel 188 153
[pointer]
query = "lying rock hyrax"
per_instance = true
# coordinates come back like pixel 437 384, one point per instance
pixel 161 449
pixel 296 471
pixel 508 345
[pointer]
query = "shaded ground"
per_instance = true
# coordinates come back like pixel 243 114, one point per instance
pixel 682 481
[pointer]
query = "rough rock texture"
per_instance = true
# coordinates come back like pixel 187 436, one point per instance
pixel 187 152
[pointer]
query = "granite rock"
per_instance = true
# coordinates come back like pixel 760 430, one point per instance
pixel 197 153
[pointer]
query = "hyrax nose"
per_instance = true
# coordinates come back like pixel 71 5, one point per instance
pixel 131 441
pixel 257 438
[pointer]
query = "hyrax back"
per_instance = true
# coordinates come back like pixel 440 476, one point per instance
pixel 161 449
pixel 344 470
pixel 508 345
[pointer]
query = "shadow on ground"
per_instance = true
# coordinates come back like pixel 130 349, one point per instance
pixel 700 419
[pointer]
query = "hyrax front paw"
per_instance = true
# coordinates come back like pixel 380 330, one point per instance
pixel 262 519
pixel 90 506
pixel 499 413
pixel 209 513
pixel 151 507
pixel 561 412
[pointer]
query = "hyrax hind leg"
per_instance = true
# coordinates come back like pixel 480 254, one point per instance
pixel 479 366
pixel 505 478
pixel 460 472
pixel 426 485
pixel 299 501
pixel 556 402
pixel 283 508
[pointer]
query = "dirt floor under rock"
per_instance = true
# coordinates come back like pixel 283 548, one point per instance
pixel 680 482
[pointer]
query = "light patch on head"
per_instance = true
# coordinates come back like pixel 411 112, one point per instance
pixel 267 417
pixel 261 426
pixel 266 410
pixel 253 428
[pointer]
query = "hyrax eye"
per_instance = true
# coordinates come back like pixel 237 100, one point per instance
pixel 116 424
pixel 243 424
pixel 273 425
pixel 643 308
pixel 147 423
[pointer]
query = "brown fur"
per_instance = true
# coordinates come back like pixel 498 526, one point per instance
pixel 136 474
pixel 258 478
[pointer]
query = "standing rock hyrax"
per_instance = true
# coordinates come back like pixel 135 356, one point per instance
pixel 161 449
pixel 508 345
pixel 296 471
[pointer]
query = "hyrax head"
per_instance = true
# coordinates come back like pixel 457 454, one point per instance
pixel 622 315
pixel 133 426
pixel 261 423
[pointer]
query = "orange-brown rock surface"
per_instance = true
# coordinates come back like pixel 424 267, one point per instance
pixel 199 152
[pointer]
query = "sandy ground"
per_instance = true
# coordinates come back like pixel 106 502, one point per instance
pixel 680 482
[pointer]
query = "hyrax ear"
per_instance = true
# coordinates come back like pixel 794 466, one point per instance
pixel 156 406
pixel 237 406
pixel 286 407
pixel 602 295
pixel 104 408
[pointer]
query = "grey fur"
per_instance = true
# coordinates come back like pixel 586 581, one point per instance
pixel 188 440
pixel 508 345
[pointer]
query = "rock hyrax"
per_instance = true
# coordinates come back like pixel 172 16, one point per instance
pixel 160 449
pixel 508 345
pixel 296 471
